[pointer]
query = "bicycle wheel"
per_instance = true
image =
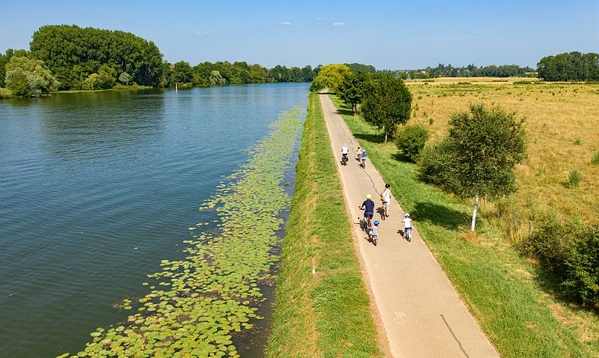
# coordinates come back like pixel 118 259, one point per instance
pixel 374 238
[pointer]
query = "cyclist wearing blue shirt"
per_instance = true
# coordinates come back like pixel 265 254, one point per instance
pixel 363 158
pixel 368 207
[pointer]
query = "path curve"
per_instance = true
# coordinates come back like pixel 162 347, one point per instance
pixel 421 313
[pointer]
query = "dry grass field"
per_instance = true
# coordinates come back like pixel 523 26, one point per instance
pixel 562 124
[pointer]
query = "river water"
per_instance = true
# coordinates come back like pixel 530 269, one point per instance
pixel 97 188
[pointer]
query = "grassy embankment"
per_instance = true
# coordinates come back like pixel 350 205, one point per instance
pixel 7 94
pixel 325 312
pixel 510 296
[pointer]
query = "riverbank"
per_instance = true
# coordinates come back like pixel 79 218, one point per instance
pixel 5 93
pixel 322 307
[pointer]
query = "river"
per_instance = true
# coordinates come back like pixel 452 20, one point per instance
pixel 97 188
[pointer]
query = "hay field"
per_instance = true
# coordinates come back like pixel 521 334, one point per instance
pixel 562 124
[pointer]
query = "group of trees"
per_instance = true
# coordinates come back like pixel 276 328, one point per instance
pixel 93 58
pixel 221 73
pixel 72 57
pixel 382 97
pixel 573 66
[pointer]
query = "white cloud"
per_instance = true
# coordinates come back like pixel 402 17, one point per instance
pixel 202 33
pixel 339 23
pixel 285 23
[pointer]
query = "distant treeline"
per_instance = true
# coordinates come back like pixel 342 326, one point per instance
pixel 573 66
pixel 472 71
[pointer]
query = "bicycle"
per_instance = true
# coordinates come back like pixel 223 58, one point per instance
pixel 373 233
pixel 367 222
pixel 363 163
pixel 407 234
pixel 344 159
pixel 384 209
pixel 407 224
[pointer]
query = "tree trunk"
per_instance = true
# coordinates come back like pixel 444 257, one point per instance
pixel 474 213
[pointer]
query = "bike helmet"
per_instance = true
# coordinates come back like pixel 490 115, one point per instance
pixel 387 185
pixel 376 222
pixel 406 215
pixel 368 196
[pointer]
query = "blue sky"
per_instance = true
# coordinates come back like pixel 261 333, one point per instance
pixel 392 35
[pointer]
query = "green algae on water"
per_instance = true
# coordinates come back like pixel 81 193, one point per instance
pixel 197 304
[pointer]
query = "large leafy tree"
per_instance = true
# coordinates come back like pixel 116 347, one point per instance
pixel 352 88
pixel 329 76
pixel 181 73
pixel 478 156
pixel 387 103
pixel 27 77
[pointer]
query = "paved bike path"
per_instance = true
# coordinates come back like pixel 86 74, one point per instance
pixel 420 311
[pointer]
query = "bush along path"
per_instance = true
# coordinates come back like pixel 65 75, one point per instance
pixel 196 305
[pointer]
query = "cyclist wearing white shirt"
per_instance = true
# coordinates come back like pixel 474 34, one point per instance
pixel 407 226
pixel 386 199
pixel 344 153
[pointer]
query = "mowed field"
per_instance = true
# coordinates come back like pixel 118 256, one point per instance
pixel 562 125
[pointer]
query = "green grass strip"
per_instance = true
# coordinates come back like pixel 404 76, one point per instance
pixel 500 288
pixel 197 304
pixel 326 312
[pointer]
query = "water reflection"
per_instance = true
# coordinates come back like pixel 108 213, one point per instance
pixel 91 127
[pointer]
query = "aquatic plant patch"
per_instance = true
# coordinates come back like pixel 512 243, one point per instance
pixel 197 304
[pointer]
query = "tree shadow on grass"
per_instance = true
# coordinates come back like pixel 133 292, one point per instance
pixel 345 111
pixel 439 215
pixel 372 138
pixel 400 157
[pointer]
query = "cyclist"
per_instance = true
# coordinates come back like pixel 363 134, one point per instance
pixel 374 232
pixel 363 163
pixel 407 227
pixel 344 153
pixel 359 154
pixel 386 199
pixel 368 207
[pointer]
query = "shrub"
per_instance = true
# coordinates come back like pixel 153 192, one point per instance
pixel 582 267
pixel 574 178
pixel 546 244
pixel 595 159
pixel 411 141
pixel 571 252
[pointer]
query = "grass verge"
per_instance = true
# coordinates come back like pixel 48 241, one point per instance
pixel 506 293
pixel 322 308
